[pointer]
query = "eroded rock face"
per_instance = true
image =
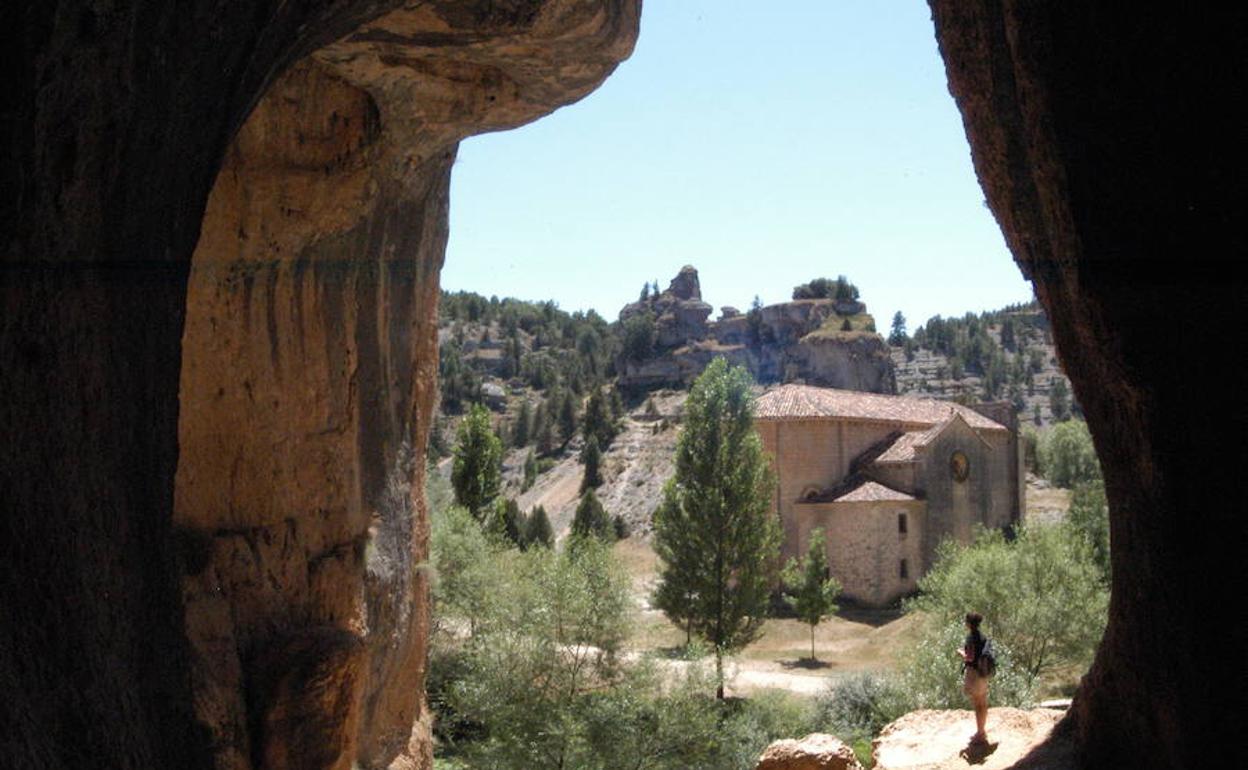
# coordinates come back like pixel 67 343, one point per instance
pixel 817 751
pixel 310 365
pixel 270 613
pixel 1117 209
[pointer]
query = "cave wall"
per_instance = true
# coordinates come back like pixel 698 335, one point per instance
pixel 246 615
pixel 1107 142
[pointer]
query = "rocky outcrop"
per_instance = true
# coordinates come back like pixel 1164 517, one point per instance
pixel 221 299
pixel 803 340
pixel 679 312
pixel 940 740
pixel 817 751
pixel 851 361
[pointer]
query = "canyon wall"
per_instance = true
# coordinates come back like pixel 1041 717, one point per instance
pixel 1109 144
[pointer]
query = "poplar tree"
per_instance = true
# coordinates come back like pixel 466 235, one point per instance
pixel 714 531
pixel 477 468
pixel 814 590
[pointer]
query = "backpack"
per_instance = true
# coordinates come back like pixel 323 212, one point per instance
pixel 987 663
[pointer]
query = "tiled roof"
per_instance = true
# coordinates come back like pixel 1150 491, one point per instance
pixel 871 492
pixel 903 448
pixel 796 402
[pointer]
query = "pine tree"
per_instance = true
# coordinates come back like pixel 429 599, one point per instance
pixel 591 457
pixel 897 335
pixel 543 430
pixel 591 519
pixel 618 411
pixel 814 590
pixel 567 417
pixel 521 432
pixel 477 469
pixel 530 470
pixel 510 522
pixel 597 421
pixel 714 533
pixel 538 530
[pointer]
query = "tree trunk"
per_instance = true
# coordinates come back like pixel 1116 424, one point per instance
pixel 812 642
pixel 719 674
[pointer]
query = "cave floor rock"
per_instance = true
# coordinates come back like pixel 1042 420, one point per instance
pixel 938 740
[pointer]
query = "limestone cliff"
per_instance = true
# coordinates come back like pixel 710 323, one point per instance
pixel 818 341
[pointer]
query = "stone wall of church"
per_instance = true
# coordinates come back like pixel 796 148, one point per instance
pixel 955 507
pixel 866 545
pixel 812 453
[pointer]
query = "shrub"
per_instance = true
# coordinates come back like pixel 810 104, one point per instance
pixel 1041 596
pixel 1067 456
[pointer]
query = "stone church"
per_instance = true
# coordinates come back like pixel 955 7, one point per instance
pixel 887 478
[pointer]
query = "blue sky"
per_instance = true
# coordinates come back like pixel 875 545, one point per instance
pixel 764 143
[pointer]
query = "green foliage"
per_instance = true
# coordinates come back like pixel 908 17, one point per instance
pixel 1030 440
pixel 639 334
pixel 524 670
pixel 591 519
pixel 543 430
pixel 530 471
pixel 1042 598
pixel 477 468
pixel 591 458
pixel 812 589
pixel 509 522
pixel 1089 515
pixel 567 416
pixel 521 432
pixel 535 663
pixel 754 322
pixel 458 384
pixel 461 555
pixel 857 706
pixel 537 529
pixel 825 288
pixel 1059 399
pixel 897 333
pixel 931 675
pixel 598 421
pixel 1067 456
pixel 714 535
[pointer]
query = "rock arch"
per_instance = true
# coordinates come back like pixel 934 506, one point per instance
pixel 1104 138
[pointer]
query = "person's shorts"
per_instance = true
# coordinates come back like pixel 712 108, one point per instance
pixel 974 685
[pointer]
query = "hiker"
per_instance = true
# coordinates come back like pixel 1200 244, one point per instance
pixel 974 681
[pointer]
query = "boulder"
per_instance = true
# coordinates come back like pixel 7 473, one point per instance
pixel 817 751
pixel 728 311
